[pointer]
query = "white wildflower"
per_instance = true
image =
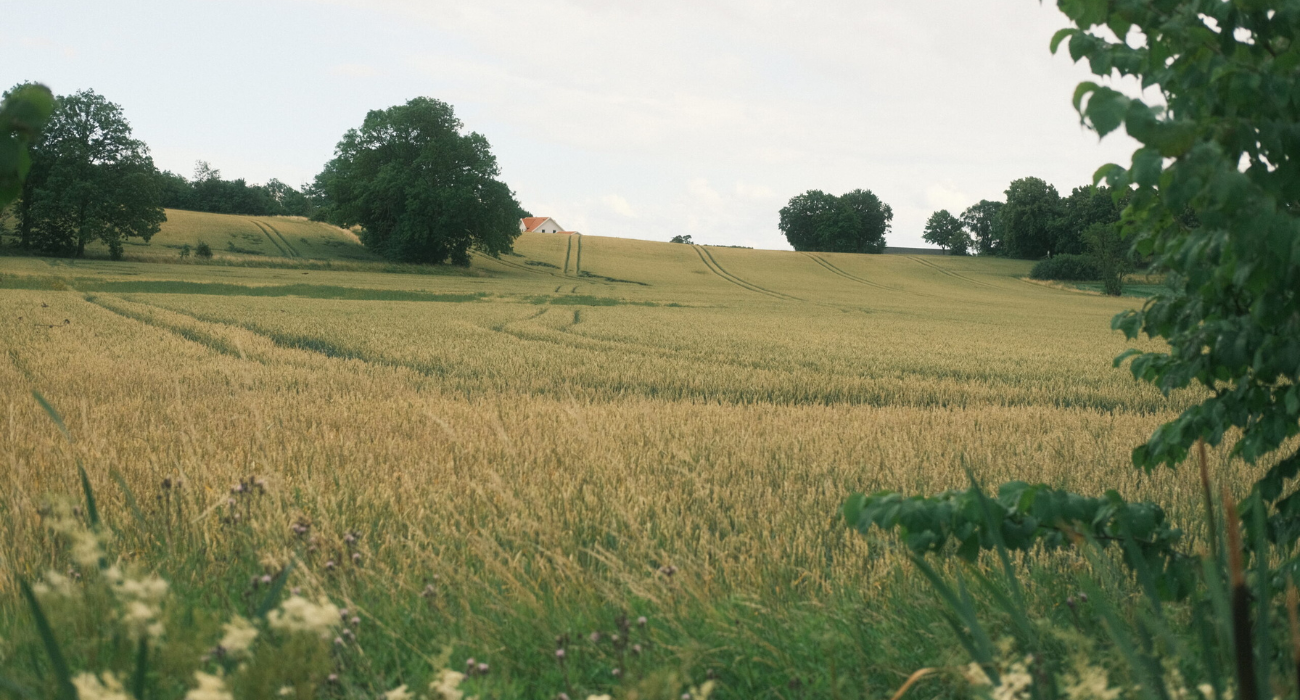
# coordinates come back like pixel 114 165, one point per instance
pixel 297 614
pixel 106 686
pixel 598 697
pixel 285 691
pixel 447 685
pixel 399 693
pixel 54 584
pixel 702 692
pixel 1090 684
pixel 239 636
pixel 142 603
pixel 210 688
pixel 1014 684
pixel 975 674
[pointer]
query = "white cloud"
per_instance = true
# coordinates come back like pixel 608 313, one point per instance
pixel 619 205
pixel 355 70
pixel 945 197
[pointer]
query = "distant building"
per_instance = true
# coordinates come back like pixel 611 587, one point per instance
pixel 541 224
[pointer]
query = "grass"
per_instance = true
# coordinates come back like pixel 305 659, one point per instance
pixel 537 467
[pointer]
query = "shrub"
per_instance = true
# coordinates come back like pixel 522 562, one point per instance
pixel 1069 268
pixel 203 250
pixel 185 251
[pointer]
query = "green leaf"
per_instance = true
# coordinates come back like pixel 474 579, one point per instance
pixel 53 414
pixel 1060 36
pixel 273 595
pixel 61 673
pixel 128 494
pixel 1106 109
pixel 92 511
pixel 1082 91
pixel 1147 165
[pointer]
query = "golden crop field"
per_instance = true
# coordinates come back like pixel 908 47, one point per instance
pixel 535 444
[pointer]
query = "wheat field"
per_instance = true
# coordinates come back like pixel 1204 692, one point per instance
pixel 523 447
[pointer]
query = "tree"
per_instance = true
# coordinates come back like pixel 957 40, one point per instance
pixel 681 238
pixel 945 230
pixel 1029 218
pixel 420 189
pixel 983 223
pixel 90 181
pixel 1110 254
pixel 1085 207
pixel 855 222
pixel 24 112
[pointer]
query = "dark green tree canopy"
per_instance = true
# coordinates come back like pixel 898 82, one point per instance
pixel 24 110
pixel 945 230
pixel 1085 207
pixel 855 222
pixel 1029 219
pixel 90 181
pixel 420 189
pixel 984 224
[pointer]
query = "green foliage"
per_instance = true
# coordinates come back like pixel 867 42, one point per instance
pixel 1029 219
pixel 422 191
pixel 23 114
pixel 203 250
pixel 1221 147
pixel 946 231
pixel 1066 268
pixel 90 180
pixel 681 238
pixel 855 222
pixel 1086 207
pixel 207 192
pixel 983 221
pixel 1110 254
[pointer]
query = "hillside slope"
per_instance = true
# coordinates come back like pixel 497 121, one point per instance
pixel 236 236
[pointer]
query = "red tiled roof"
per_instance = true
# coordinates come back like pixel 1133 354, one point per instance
pixel 532 222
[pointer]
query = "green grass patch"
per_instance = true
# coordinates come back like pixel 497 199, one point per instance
pixel 1130 290
pixel 308 291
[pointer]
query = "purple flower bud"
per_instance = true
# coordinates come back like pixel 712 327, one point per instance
pixel 641 621
pixel 618 673
pixel 636 649
pixel 1070 602
pixel 482 669
pixel 332 678
pixel 356 558
pixel 594 637
pixel 343 613
pixel 562 696
pixel 266 578
pixel 686 696
pixel 355 621
pixel 559 654
pixel 329 564
pixel 470 663
pixel 338 641
pixel 1083 597
pixel 295 591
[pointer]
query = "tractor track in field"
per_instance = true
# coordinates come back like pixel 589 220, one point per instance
pixel 837 271
pixel 707 258
pixel 271 238
pixel 577 263
pixel 950 273
pixel 568 253
pixel 292 249
pixel 517 266
pixel 210 341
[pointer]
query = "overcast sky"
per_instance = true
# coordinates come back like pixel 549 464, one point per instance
pixel 636 118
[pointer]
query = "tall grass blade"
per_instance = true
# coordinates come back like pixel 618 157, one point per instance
pixel 1263 595
pixel 141 668
pixel 982 650
pixel 128 494
pixel 92 510
pixel 1293 617
pixel 1242 637
pixel 273 595
pixel 53 414
pixel 62 675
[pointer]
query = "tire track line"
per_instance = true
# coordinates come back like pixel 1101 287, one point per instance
pixel 577 265
pixel 847 276
pixel 718 270
pixel 568 252
pixel 286 240
pixel 271 238
pixel 516 266
pixel 950 273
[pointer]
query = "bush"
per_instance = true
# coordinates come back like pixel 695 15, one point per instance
pixel 1066 268
pixel 203 250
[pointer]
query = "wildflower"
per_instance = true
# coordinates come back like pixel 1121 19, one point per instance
pixel 239 636
pixel 210 688
pixel 285 691
pixel 594 637
pixel 1090 684
pixel 447 685
pixel 55 583
pixel 617 673
pixel 297 614
pixel 142 601
pixel 641 621
pixel 356 558
pixel 702 692
pixel 636 649
pixel 429 591
pixel 975 675
pixel 599 697
pixel 106 686
pixel 559 654
pixel 355 621
pixel 481 669
pixel 1014 685
pixel 399 693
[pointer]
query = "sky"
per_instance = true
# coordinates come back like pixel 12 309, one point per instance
pixel 632 118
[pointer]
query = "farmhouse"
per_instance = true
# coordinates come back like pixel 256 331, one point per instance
pixel 541 224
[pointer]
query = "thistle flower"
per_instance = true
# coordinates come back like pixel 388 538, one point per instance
pixel 210 688
pixel 106 686
pixel 641 621
pixel 297 614
pixel 559 654
pixel 481 669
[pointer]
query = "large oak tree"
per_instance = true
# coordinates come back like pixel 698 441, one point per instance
pixel 855 222
pixel 90 180
pixel 421 190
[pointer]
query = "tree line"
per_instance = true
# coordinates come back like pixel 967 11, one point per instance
pixel 419 188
